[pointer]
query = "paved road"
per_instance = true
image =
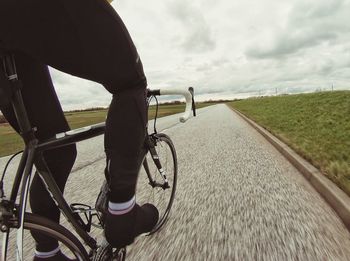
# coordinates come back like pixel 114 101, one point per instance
pixel 237 198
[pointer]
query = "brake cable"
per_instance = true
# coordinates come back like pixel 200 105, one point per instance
pixel 4 172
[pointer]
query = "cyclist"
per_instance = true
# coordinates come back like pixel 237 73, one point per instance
pixel 88 39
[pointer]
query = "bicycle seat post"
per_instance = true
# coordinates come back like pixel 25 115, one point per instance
pixel 9 67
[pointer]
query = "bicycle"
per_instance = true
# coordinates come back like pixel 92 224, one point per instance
pixel 160 166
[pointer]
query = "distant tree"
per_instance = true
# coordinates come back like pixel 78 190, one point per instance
pixel 172 103
pixel 88 109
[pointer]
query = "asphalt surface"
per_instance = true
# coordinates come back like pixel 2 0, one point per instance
pixel 237 198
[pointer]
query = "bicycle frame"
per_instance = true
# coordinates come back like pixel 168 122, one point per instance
pixel 32 154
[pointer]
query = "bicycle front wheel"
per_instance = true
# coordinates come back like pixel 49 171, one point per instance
pixel 157 184
pixel 69 244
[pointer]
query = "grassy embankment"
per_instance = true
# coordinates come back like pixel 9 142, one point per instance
pixel 10 142
pixel 317 126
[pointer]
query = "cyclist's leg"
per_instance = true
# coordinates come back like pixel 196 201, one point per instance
pixel 121 72
pixel 45 113
pixel 87 38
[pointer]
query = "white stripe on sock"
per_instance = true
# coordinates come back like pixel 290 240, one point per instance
pixel 47 254
pixel 121 208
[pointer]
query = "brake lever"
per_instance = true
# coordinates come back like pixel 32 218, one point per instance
pixel 191 90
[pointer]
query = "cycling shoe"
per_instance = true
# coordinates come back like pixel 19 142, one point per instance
pixel 121 230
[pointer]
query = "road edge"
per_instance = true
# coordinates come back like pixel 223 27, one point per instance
pixel 333 195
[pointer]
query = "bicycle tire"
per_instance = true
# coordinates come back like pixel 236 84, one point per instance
pixel 167 156
pixel 106 253
pixel 69 243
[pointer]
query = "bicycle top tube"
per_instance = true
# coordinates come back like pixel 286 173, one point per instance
pixel 72 136
pixel 87 132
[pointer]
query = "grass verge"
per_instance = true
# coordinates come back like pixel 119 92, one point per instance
pixel 316 126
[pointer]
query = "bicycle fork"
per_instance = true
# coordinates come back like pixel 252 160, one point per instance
pixel 151 145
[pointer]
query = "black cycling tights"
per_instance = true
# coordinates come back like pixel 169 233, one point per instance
pixel 85 38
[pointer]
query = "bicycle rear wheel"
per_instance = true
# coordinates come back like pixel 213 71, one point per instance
pixel 152 187
pixel 69 244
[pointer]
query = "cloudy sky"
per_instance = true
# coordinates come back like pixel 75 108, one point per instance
pixel 231 48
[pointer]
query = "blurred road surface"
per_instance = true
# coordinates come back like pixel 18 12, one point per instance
pixel 237 198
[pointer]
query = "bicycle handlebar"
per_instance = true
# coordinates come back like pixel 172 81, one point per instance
pixel 186 93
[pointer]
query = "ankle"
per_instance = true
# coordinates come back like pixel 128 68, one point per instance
pixel 58 256
pixel 46 254
pixel 121 208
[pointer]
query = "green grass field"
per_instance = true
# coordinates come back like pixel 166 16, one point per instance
pixel 315 125
pixel 10 142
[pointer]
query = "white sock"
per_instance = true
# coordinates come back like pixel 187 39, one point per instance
pixel 121 208
pixel 47 254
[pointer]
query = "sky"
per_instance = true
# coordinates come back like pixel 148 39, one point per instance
pixel 230 49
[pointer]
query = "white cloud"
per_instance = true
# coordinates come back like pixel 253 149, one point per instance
pixel 309 24
pixel 231 47
pixel 77 93
pixel 196 36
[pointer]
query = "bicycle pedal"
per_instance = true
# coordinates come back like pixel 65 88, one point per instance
pixel 85 213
